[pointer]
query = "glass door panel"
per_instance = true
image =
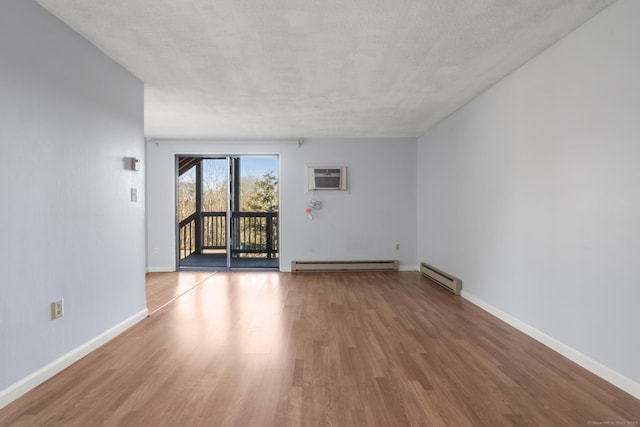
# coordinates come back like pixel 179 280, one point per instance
pixel 215 186
pixel 254 215
pixel 186 212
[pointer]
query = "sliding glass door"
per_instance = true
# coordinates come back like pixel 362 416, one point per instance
pixel 227 212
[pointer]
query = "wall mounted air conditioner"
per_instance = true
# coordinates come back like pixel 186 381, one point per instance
pixel 327 178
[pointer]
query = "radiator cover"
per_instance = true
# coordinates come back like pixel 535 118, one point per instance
pixel 446 280
pixel 388 265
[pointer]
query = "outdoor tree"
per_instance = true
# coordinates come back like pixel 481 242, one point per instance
pixel 214 185
pixel 264 197
pixel 187 191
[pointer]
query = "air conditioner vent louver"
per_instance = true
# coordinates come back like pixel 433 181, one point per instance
pixel 327 181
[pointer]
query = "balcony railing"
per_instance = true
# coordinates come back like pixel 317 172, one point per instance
pixel 187 236
pixel 251 233
pixel 214 230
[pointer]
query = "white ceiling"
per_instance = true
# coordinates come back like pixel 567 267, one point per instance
pixel 316 68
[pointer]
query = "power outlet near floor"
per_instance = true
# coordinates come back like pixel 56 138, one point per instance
pixel 57 309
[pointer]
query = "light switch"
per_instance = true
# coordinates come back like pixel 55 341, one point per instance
pixel 134 195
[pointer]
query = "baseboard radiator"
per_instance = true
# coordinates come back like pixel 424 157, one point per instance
pixel 448 281
pixel 392 265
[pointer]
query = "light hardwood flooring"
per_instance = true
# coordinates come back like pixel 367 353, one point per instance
pixel 311 349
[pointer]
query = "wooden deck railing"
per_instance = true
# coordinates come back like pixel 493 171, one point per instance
pixel 251 233
pixel 255 233
pixel 187 236
pixel 214 230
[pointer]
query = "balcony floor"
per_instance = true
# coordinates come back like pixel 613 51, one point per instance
pixel 218 261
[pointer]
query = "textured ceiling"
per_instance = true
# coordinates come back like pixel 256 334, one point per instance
pixel 316 68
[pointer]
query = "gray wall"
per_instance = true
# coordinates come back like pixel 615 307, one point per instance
pixel 365 222
pixel 531 193
pixel 68 230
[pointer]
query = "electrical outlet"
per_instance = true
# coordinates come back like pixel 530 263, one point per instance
pixel 397 246
pixel 57 309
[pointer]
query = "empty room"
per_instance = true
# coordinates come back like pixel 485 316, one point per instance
pixel 296 213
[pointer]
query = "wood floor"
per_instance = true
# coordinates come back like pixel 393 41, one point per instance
pixel 330 349
pixel 164 288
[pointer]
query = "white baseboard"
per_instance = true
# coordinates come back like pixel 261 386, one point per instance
pixel 160 270
pixel 16 390
pixel 604 372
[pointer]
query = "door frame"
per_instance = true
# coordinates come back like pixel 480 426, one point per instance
pixel 229 209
